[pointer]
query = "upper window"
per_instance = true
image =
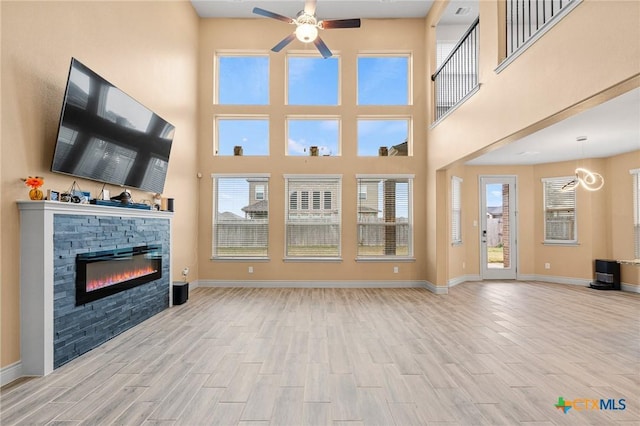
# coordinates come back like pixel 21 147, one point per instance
pixel 383 80
pixel 560 224
pixel 312 80
pixel 313 216
pixel 316 136
pixel 383 137
pixel 635 174
pixel 242 79
pixel 241 136
pixel 384 216
pixel 240 216
pixel 456 210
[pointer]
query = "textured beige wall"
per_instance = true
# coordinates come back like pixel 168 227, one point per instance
pixel 260 35
pixel 555 78
pixel 149 50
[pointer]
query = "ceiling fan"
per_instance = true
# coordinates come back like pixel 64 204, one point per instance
pixel 307 26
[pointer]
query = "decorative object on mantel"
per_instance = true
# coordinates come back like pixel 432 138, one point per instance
pixel 237 151
pixel 313 151
pixel 75 195
pixel 35 183
pixel 383 151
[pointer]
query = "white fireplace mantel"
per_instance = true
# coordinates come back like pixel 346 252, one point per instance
pixel 37 269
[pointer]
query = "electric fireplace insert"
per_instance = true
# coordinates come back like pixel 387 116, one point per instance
pixel 101 274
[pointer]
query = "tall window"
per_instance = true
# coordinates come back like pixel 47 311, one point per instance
pixel 635 174
pixel 385 227
pixel 313 221
pixel 242 79
pixel 456 210
pixel 240 216
pixel 560 224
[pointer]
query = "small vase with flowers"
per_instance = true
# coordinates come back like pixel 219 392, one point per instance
pixel 35 183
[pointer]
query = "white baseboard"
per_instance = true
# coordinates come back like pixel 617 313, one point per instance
pixel 10 373
pixel 463 279
pixel 310 284
pixel 630 288
pixel 434 288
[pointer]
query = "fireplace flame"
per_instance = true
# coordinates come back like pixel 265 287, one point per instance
pixel 116 278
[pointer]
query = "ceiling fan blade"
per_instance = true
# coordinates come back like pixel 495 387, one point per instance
pixel 268 14
pixel 288 39
pixel 310 7
pixel 340 23
pixel 322 48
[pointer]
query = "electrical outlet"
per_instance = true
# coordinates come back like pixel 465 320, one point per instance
pixel 395 269
pixel 547 265
pixel 185 272
pixel 251 269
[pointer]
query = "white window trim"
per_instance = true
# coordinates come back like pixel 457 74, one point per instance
pixel 311 54
pixel 573 242
pixel 385 258
pixel 389 53
pixel 238 53
pixel 219 117
pixel 455 180
pixel 214 207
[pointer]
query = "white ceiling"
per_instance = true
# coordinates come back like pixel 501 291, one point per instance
pixel 325 9
pixel 611 128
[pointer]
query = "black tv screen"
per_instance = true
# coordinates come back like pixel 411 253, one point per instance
pixel 107 136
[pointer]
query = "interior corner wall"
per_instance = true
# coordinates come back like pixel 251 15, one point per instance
pixel 149 50
pixel 549 81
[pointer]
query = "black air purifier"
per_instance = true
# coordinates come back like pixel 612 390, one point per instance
pixel 607 275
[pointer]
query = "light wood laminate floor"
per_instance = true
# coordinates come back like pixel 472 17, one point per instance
pixel 492 353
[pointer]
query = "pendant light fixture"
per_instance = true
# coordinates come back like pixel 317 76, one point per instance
pixel 585 178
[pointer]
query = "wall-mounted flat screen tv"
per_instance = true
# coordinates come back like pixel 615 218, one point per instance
pixel 107 136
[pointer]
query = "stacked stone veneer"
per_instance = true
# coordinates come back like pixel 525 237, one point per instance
pixel 78 329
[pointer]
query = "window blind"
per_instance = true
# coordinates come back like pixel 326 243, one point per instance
pixel 384 217
pixel 635 174
pixel 559 211
pixel 241 217
pixel 456 210
pixel 313 217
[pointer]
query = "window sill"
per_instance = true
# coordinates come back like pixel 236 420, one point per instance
pixel 456 243
pixel 313 259
pixel 239 259
pixel 386 259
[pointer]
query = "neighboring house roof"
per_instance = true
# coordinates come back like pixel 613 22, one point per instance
pixel 260 206
pixel 495 211
pixel 229 216
pixel 365 209
pixel 402 149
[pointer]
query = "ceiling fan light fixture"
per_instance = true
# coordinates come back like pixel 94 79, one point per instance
pixel 306 33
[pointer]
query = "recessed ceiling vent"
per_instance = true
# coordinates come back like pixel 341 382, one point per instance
pixel 461 11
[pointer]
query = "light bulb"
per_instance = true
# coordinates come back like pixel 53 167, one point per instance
pixel 306 33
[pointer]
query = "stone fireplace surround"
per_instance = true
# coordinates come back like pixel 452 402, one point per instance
pixel 53 329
